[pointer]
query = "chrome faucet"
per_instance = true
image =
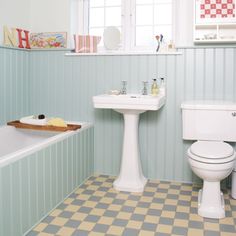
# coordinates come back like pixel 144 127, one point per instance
pixel 144 90
pixel 123 87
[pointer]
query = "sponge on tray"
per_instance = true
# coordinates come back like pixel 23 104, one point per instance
pixel 57 122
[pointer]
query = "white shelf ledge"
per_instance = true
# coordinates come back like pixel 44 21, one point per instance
pixel 215 41
pixel 119 53
pixel 111 53
pixel 36 49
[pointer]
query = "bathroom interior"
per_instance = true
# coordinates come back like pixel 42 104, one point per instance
pixel 149 86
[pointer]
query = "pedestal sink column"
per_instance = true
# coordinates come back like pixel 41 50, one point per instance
pixel 131 177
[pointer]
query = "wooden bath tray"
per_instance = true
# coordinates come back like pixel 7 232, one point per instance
pixel 19 125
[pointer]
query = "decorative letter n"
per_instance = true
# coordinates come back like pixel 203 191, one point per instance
pixel 9 37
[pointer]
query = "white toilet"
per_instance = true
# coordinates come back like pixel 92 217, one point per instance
pixel 210 123
pixel 233 190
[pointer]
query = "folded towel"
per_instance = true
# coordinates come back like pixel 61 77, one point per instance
pixel 57 122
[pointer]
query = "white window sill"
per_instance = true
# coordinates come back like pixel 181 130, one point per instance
pixel 122 53
pixel 102 53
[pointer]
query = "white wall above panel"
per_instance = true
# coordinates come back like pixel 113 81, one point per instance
pixel 184 22
pixel 53 15
pixel 14 14
pixel 49 16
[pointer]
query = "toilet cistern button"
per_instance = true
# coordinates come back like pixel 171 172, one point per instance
pixel 233 114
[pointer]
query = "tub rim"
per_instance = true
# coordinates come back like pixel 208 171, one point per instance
pixel 21 153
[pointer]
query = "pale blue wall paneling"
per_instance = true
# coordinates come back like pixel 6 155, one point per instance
pixel 199 73
pixel 34 185
pixel 63 86
pixel 14 84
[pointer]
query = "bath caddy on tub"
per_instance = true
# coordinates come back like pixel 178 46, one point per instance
pixel 20 125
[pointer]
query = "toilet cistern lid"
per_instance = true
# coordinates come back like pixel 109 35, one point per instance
pixel 212 149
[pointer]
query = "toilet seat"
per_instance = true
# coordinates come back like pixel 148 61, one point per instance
pixel 215 152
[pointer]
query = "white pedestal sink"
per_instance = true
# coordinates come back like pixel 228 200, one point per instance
pixel 131 177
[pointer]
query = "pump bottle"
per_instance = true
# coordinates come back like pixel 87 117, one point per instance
pixel 154 88
pixel 162 88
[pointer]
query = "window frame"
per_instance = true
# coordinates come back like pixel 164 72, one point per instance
pixel 104 20
pixel 128 24
pixel 135 47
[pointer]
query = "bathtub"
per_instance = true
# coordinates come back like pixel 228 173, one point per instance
pixel 16 143
pixel 38 170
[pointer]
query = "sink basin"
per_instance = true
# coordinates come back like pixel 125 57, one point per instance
pixel 129 101
pixel 131 177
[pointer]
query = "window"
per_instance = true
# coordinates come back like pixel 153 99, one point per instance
pixel 104 13
pixel 138 20
pixel 153 17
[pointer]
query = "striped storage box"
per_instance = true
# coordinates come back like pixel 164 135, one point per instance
pixel 86 43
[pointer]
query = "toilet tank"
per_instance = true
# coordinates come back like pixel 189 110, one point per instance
pixel 209 120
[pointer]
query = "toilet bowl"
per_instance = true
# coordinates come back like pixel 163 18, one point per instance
pixel 210 158
pixel 212 162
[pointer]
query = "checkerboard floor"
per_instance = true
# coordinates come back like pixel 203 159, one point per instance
pixel 164 208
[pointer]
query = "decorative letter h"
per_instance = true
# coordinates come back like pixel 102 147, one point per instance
pixel 26 39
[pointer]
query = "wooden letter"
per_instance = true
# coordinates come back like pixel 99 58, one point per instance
pixel 9 37
pixel 26 38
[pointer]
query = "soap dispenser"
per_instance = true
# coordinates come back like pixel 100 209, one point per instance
pixel 154 88
pixel 162 88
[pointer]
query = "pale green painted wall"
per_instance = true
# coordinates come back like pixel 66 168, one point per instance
pixel 63 86
pixel 34 185
pixel 14 84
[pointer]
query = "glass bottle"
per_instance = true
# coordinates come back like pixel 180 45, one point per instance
pixel 154 88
